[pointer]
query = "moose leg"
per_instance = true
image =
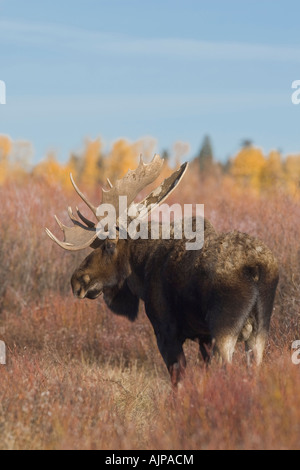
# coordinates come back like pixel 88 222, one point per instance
pixel 225 326
pixel 171 349
pixel 204 352
pixel 262 312
pixel 173 356
pixel 224 346
pixel 256 345
pixel 228 317
pixel 205 348
pixel 177 369
pixel 168 337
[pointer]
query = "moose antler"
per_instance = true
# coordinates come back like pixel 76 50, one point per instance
pixel 130 186
pixel 83 234
pixel 79 236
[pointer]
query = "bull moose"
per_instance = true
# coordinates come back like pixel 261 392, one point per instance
pixel 217 295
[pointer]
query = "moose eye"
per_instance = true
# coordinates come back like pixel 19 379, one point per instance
pixel 86 278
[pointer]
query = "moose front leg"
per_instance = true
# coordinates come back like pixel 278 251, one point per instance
pixel 177 369
pixel 169 346
pixel 173 356
pixel 168 336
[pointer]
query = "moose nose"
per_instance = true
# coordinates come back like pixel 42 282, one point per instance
pixel 80 293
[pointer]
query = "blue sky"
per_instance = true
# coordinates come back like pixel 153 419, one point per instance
pixel 174 70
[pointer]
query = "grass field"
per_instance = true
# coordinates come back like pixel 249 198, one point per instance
pixel 79 377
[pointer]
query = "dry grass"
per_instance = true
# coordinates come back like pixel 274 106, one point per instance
pixel 79 377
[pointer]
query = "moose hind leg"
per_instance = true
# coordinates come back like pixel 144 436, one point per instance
pixel 262 313
pixel 256 345
pixel 224 345
pixel 227 318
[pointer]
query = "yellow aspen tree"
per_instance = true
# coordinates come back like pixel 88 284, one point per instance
pixel 5 150
pixel 273 174
pixel 51 171
pixel 247 167
pixel 91 173
pixel 122 157
pixel 292 174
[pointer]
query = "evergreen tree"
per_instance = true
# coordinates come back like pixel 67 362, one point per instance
pixel 247 143
pixel 205 157
pixel 165 155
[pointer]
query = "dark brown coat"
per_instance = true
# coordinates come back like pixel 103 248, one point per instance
pixel 217 295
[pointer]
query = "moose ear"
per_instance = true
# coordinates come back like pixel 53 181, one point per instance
pixel 109 246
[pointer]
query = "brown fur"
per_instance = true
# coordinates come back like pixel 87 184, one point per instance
pixel 218 295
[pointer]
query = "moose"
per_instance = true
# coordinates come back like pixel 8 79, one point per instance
pixel 218 295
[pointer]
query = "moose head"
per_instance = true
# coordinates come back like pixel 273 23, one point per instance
pixel 107 266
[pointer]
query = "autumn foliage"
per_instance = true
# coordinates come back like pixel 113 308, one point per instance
pixel 250 168
pixel 79 377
